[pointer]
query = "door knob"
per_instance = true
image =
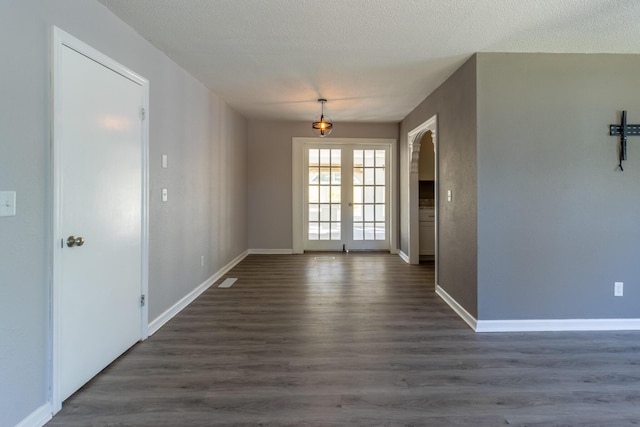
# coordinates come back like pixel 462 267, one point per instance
pixel 75 241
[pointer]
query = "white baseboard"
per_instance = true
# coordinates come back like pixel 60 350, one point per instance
pixel 290 252
pixel 403 256
pixel 460 310
pixel 158 322
pixel 538 325
pixel 37 418
pixel 271 251
pixel 549 325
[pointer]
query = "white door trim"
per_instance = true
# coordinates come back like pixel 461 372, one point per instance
pixel 413 138
pixel 297 164
pixel 60 40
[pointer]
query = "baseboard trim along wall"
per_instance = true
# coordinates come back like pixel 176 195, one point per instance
pixel 538 325
pixel 403 256
pixel 158 322
pixel 549 325
pixel 271 251
pixel 290 252
pixel 460 310
pixel 37 418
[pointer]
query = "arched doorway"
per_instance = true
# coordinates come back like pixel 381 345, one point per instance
pixel 415 139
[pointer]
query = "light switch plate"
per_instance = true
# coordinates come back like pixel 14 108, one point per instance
pixel 618 289
pixel 7 203
pixel 165 161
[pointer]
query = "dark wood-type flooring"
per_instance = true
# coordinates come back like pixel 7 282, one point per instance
pixel 355 340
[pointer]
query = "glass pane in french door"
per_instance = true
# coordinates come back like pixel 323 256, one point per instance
pixel 369 197
pixel 324 210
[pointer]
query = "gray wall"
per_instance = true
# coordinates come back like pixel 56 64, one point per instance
pixel 455 104
pixel 270 180
pixel 207 181
pixel 205 215
pixel 228 203
pixel 557 223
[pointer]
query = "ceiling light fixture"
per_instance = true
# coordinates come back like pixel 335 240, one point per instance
pixel 323 124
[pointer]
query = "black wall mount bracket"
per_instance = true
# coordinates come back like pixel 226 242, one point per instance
pixel 624 130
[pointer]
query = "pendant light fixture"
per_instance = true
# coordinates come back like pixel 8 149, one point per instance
pixel 323 125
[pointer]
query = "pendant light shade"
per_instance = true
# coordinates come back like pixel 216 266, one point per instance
pixel 323 125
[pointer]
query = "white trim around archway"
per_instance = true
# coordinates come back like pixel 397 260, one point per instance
pixel 414 138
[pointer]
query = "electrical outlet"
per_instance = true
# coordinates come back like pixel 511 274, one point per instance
pixel 618 289
pixel 202 261
pixel 165 195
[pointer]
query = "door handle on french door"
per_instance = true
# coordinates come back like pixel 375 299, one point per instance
pixel 75 241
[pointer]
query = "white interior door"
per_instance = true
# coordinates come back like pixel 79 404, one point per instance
pixel 346 199
pixel 98 255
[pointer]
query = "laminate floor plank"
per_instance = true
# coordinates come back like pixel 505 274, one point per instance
pixel 354 340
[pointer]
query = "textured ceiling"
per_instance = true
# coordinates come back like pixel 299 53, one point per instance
pixel 374 60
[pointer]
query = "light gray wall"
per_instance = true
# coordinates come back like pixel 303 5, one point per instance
pixel 207 185
pixel 179 228
pixel 207 176
pixel 24 167
pixel 228 201
pixel 455 104
pixel 270 181
pixel 557 223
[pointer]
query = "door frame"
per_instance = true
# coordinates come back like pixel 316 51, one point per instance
pixel 61 40
pixel 297 179
pixel 414 138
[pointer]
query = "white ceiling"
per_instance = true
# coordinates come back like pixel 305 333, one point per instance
pixel 374 60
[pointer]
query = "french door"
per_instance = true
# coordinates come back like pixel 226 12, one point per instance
pixel 346 197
